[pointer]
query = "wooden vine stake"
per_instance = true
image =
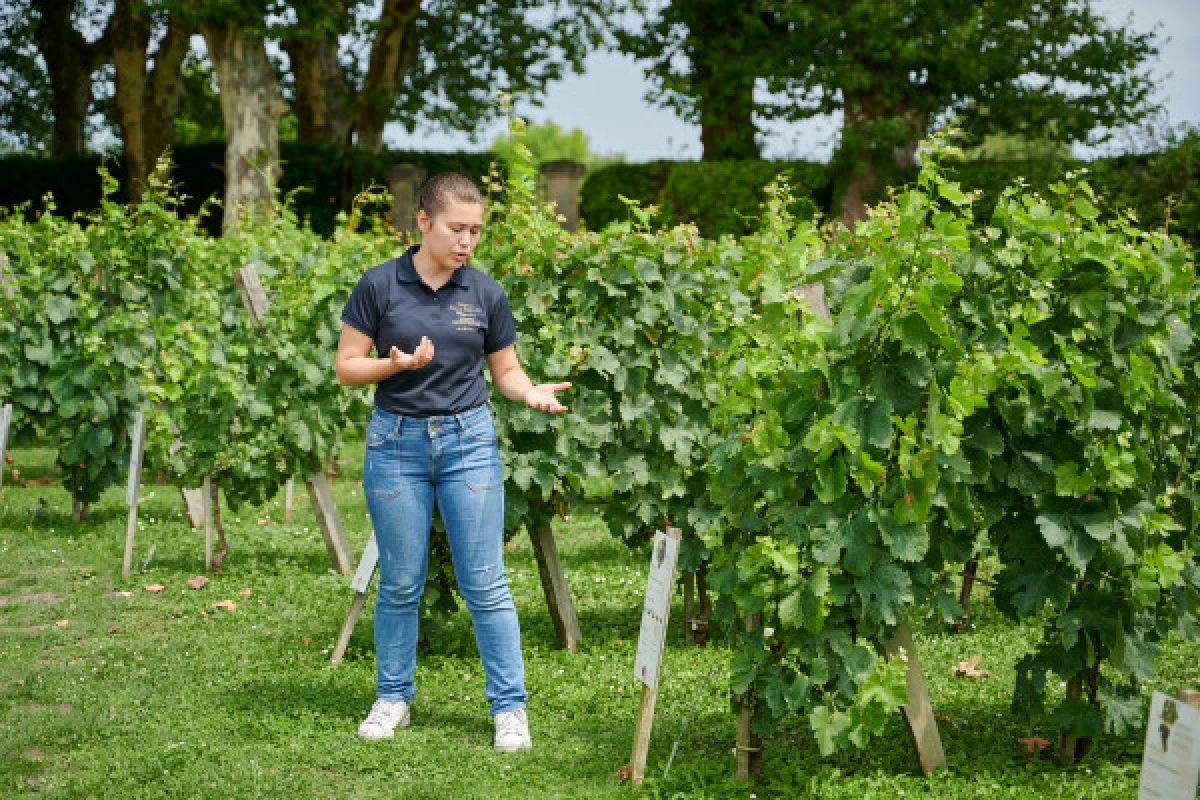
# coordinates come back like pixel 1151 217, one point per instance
pixel 554 585
pixel 131 491
pixel 5 422
pixel 330 523
pixel 208 523
pixel 918 712
pixel 360 584
pixel 647 665
pixel 289 489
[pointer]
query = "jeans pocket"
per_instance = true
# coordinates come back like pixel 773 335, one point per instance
pixel 381 430
pixel 481 464
pixel 381 474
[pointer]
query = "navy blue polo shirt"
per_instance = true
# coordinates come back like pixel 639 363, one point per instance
pixel 466 319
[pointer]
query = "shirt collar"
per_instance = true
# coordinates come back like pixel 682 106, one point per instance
pixel 406 270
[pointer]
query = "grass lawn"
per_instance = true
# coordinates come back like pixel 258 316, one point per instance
pixel 163 695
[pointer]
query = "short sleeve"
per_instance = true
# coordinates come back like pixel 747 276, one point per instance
pixel 362 308
pixel 502 328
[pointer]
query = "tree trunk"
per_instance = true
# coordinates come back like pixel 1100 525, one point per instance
pixel 726 106
pixel 393 53
pixel 164 90
pixel 251 107
pixel 70 61
pixel 131 38
pixel 321 89
pixel 869 151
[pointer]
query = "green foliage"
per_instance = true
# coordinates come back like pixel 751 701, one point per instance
pixel 1024 384
pixel 719 197
pixel 631 317
pixel 546 141
pixel 78 330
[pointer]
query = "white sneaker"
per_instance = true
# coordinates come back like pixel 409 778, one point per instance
pixel 385 717
pixel 512 731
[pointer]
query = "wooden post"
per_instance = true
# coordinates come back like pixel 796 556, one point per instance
pixel 918 713
pixel 689 606
pixel 404 182
pixel 131 491
pixel 361 583
pixel 562 188
pixel 554 585
pixel 192 501
pixel 748 753
pixel 645 717
pixel 289 489
pixel 253 296
pixel 257 306
pixel 208 523
pixel 5 421
pixel 329 522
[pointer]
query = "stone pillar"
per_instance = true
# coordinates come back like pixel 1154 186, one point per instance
pixel 404 181
pixel 562 188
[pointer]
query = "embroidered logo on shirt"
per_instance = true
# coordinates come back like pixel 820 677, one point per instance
pixel 467 316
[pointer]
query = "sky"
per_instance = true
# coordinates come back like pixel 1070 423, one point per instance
pixel 607 101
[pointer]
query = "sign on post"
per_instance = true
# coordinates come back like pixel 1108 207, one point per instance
pixel 1171 761
pixel 647 664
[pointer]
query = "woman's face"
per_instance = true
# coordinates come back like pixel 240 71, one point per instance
pixel 449 236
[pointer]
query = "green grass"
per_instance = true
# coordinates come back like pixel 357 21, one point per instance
pixel 161 695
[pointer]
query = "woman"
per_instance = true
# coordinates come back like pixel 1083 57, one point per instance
pixel 434 321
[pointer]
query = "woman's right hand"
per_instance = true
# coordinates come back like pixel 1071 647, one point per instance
pixel 419 357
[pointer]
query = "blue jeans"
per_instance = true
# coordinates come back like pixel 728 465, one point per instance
pixel 452 460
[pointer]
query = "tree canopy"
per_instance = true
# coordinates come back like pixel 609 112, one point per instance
pixel 894 69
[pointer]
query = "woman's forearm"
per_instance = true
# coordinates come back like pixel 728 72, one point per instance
pixel 513 383
pixel 362 370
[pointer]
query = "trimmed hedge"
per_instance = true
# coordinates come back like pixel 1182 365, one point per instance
pixel 720 197
pixel 325 178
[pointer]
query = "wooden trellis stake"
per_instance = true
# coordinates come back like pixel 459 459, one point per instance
pixel 131 491
pixel 330 523
pixel 5 422
pixel 289 490
pixel 360 584
pixel 554 586
pixel 208 522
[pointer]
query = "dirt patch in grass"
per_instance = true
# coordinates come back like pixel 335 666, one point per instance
pixel 39 708
pixel 33 754
pixel 46 598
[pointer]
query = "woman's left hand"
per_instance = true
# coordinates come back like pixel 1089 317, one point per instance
pixel 542 397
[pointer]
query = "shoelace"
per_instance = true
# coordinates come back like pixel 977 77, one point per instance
pixel 513 722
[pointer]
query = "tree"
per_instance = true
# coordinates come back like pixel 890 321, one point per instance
pixel 703 58
pixel 895 68
pixel 147 98
pixel 26 121
pixel 251 106
pixel 546 141
pixel 70 59
pixel 439 62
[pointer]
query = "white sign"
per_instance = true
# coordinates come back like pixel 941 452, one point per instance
pixel 656 609
pixel 1171 761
